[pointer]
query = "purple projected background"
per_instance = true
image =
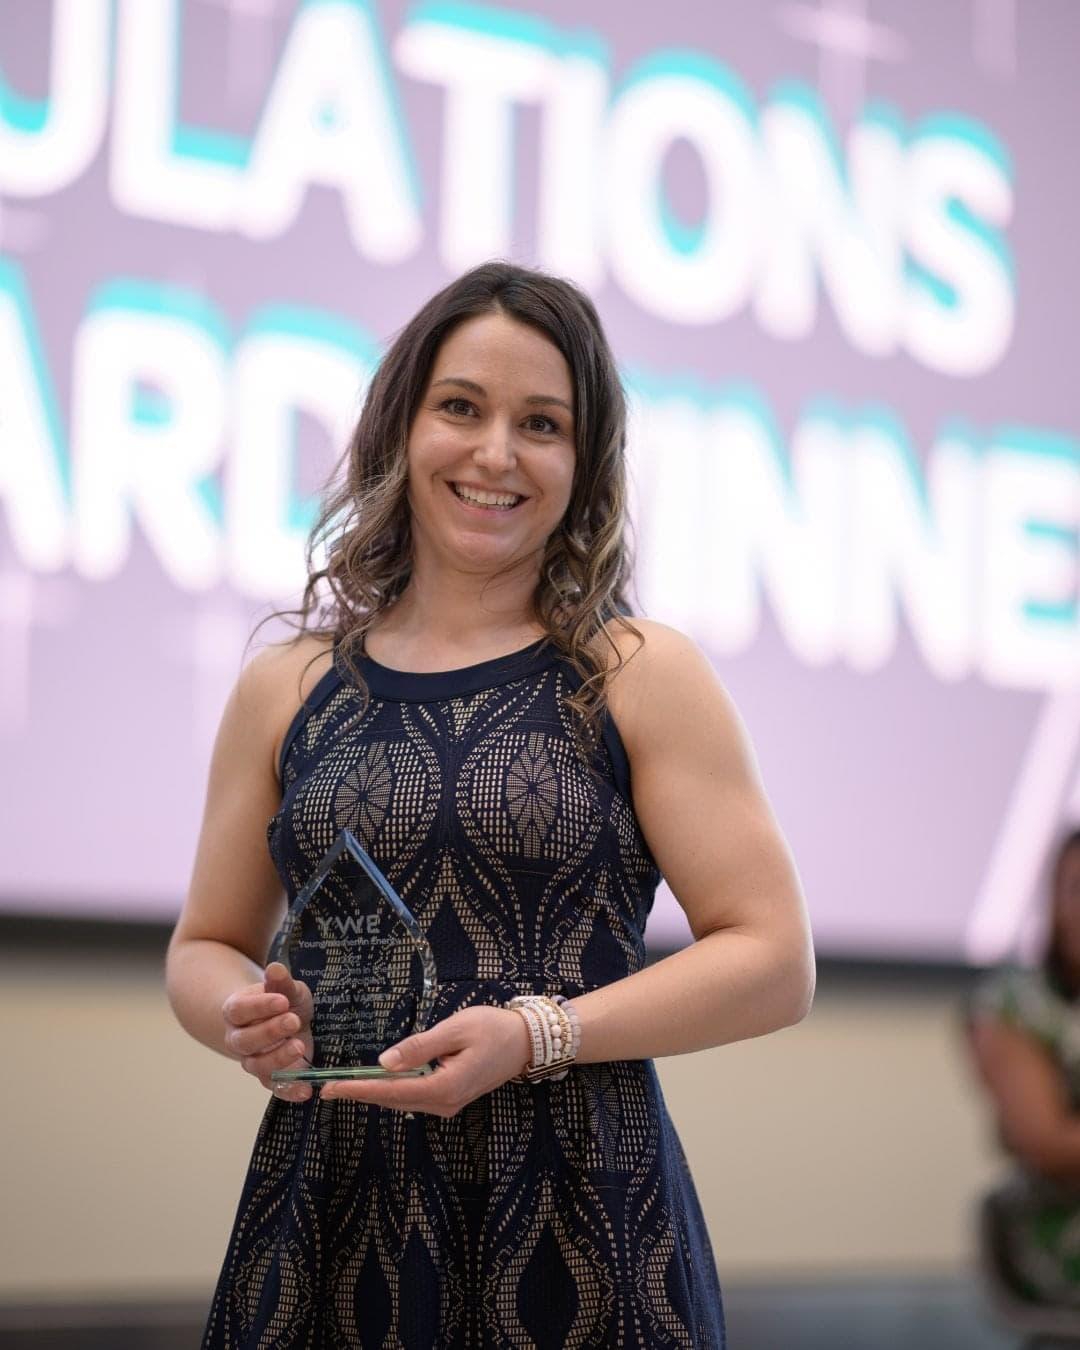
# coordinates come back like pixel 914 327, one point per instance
pixel 832 245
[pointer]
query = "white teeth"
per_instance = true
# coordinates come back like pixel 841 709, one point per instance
pixel 485 498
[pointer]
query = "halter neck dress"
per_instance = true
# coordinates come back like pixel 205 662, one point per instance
pixel 553 1214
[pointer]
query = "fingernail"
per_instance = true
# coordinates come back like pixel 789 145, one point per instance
pixel 390 1059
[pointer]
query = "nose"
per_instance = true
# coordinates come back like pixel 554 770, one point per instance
pixel 494 450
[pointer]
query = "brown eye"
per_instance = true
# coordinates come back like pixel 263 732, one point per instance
pixel 456 407
pixel 548 424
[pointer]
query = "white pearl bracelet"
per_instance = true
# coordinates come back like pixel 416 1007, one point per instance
pixel 554 1033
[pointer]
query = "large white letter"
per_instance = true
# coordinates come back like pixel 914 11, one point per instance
pixel 915 540
pixel 776 526
pixel 30 464
pixel 44 147
pixel 960 306
pixel 148 419
pixel 292 362
pixel 486 67
pixel 1031 529
pixel 702 103
pixel 813 219
pixel 570 222
pixel 722 517
pixel 196 182
pixel 331 119
pixel 669 509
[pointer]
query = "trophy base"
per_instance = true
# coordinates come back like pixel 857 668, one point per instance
pixel 342 1074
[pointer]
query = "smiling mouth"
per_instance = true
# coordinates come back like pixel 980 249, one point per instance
pixel 487 501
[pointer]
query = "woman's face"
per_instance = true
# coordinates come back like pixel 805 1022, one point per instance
pixel 492 447
pixel 1067 906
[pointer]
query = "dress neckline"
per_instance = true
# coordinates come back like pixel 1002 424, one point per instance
pixel 418 686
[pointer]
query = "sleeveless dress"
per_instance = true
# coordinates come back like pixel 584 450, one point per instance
pixel 554 1214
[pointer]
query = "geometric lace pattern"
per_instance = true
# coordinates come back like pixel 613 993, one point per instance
pixel 553 1214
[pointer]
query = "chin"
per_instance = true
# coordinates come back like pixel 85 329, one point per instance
pixel 481 559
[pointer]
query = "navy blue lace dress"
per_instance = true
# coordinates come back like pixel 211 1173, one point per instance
pixel 556 1214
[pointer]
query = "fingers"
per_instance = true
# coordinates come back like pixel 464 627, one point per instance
pixel 478 1050
pixel 278 980
pixel 292 1054
pixel 461 1043
pixel 251 1005
pixel 444 1038
pixel 287 1055
pixel 429 1095
pixel 261 1037
pixel 267 1026
pixel 291 1092
pixel 442 1092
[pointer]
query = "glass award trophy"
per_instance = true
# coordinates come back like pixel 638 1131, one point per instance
pixel 353 941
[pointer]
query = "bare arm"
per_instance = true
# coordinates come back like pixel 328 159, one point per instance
pixel 1029 1095
pixel 235 901
pixel 704 814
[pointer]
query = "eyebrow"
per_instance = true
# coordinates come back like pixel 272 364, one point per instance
pixel 533 399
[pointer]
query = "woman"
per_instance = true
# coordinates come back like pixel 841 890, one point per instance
pixel 1025 1034
pixel 523 762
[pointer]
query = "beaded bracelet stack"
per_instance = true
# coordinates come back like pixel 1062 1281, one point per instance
pixel 554 1032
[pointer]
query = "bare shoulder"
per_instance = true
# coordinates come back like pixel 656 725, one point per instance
pixel 235 892
pixel 664 685
pixel 295 665
pixel 276 681
pixel 654 650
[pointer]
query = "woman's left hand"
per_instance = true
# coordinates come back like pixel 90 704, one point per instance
pixel 478 1050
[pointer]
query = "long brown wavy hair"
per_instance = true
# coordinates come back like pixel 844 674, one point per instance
pixel 359 553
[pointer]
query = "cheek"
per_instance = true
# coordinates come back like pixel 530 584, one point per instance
pixel 564 475
pixel 431 448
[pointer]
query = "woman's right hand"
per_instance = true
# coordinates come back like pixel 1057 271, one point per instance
pixel 268 1026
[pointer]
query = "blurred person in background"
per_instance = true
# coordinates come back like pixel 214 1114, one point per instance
pixel 1025 1034
pixel 453 700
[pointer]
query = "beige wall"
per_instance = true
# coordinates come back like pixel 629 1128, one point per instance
pixel 851 1143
